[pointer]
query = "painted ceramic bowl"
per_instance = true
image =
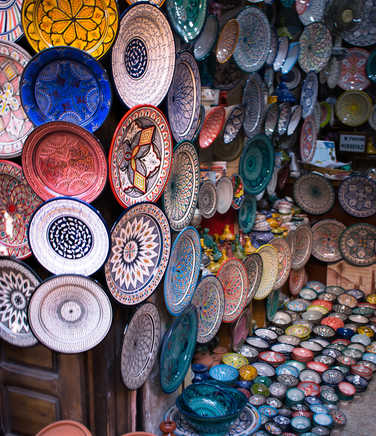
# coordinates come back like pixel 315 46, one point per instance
pixel 224 373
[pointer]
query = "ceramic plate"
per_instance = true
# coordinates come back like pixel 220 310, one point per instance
pixel 292 79
pixel 364 34
pixel 247 213
pixel 238 188
pixel 313 12
pixel 357 196
pixel 325 235
pixel 371 66
pixel 10 19
pixel 212 126
pixel 143 57
pixel 372 118
pixel 17 284
pixel 140 156
pixel 241 328
pixel 65 84
pixel 233 123
pixel 64 427
pixel 228 152
pixel 273 47
pixel 303 246
pixel 284 118
pixel 334 72
pixel 353 108
pixel 284 261
pixel 272 304
pixel 308 136
pixel 271 119
pixel 177 349
pixel 353 74
pixel 314 194
pixel 297 280
pixel 357 244
pixel 309 93
pixel 139 254
pixel 225 194
pixel 140 346
pixel 227 40
pixel 254 99
pixel 207 38
pixel 296 115
pixel 269 257
pixel 283 47
pixel 234 279
pixel 181 194
pixel 69 236
pixel 254 267
pixel 209 302
pixel 60 158
pixel 18 202
pixel 186 18
pixel 15 126
pixel 291 58
pixel 207 199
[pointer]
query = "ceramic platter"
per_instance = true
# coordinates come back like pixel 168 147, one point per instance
pixel 353 74
pixel 309 93
pixel 181 194
pixel 62 159
pixel 227 40
pixel 15 126
pixel 69 236
pixel 17 285
pixel 177 349
pixel 283 48
pixel 209 302
pixel 297 280
pixel 308 136
pixel 353 108
pixel 357 196
pixel 254 100
pixel 273 47
pixel 247 213
pixel 66 84
pixel 364 34
pixel 254 266
pixel 271 119
pixel 212 126
pixel 325 236
pixel 272 304
pixel 143 56
pixel 312 12
pixel 241 329
pixel 269 256
pixel 184 98
pixel 230 151
pixel 225 194
pixel 233 124
pixel 256 164
pixel 234 279
pixel 207 199
pixel 207 38
pixel 302 247
pixel 315 47
pixel 284 261
pixel 10 19
pixel 284 118
pixel 314 194
pixel 17 201
pixel 70 313
pixel 254 42
pixel 140 249
pixel 182 272
pixel 140 346
pixel 140 156
pixel 357 244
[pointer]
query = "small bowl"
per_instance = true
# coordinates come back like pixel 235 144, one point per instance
pixel 224 373
pixel 281 319
pixel 249 352
pixel 358 319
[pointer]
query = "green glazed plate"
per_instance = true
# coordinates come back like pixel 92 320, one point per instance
pixel 187 17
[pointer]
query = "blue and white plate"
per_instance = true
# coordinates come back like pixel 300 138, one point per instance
pixel 254 99
pixel 284 118
pixel 296 115
pixel 309 93
pixel 247 213
pixel 283 47
pixel 291 58
pixel 271 119
pixel 273 47
pixel 205 42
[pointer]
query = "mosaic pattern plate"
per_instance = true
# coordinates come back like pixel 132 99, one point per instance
pixel 357 196
pixel 182 271
pixel 284 118
pixel 140 250
pixel 284 261
pixel 65 84
pixel 14 124
pixel 207 199
pixel 234 279
pixel 269 256
pixel 17 285
pixel 308 96
pixel 68 236
pixel 140 156
pixel 63 159
pixel 364 34
pixel 177 349
pixel 358 244
pixel 353 74
pixel 308 136
pixel 325 235
pixel 254 266
pixel 353 108
pixel 143 56
pixel 140 346
pixel 17 202
pixel 10 20
pixel 209 302
pixel 70 313
pixel 184 98
pixel 247 213
pixel 254 99
pixel 303 246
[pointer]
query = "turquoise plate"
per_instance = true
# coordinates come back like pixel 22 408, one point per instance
pixel 272 304
pixel 247 214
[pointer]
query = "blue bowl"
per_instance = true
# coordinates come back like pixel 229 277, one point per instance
pixel 224 373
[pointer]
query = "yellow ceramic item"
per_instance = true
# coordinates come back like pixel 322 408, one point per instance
pixel 235 360
pixel 248 372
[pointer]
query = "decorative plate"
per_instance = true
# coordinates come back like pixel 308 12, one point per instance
pixel 15 126
pixel 238 188
pixel 343 15
pixel 326 234
pixel 227 40
pixel 225 194
pixel 17 284
pixel 334 72
pixel 271 119
pixel 207 38
pixel 184 98
pixel 308 136
pixel 182 271
pixel 158 3
pixel 234 279
pixel 314 194
pixel 256 164
pixel 303 246
pixel 207 199
pixel 186 18
pixel 213 124
pixel 292 79
pixel 273 47
pixel 284 118
pixel 140 346
pixel 69 236
pixel 314 12
pixel 372 118
pixel 309 93
pixel 357 196
pixel 284 261
pixel 254 267
pixel 272 304
pixel 70 313
pixel 353 108
pixel 228 152
pixel 247 213
pixel 18 202
pixel 177 349
pixel 254 42
pixel 357 244
pixel 316 286
pixel 236 360
pixel 65 84
pixel 143 57
pixel 181 194
pixel 233 123
pixel 63 427
pixel 295 117
pixel 240 330
pixel 209 302
pixel 254 99
pixel 297 280
pixel 283 48
pixel 140 156
pixel 269 257
pixel 325 113
pixel 63 159
pixel 315 47
pixel 353 70
pixel 90 26
pixel 364 33
pixel 291 58
pixel 10 18
pixel 139 254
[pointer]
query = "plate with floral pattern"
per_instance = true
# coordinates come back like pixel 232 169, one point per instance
pixel 353 74
pixel 357 196
pixel 325 235
pixel 308 136
pixel 358 244
pixel 284 261
pixel 309 93
pixel 269 256
pixel 303 246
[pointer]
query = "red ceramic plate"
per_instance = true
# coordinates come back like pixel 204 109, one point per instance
pixel 64 159
pixel 346 388
pixel 323 303
pixel 333 322
pixel 309 388
pixel 213 124
pixel 64 428
pixel 302 354
pixel 317 366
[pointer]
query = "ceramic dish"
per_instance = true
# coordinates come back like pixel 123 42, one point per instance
pixel 247 213
pixel 283 47
pixel 295 117
pixel 207 199
pixel 303 247
pixel 291 58
pixel 11 23
pixel 271 119
pixel 313 12
pixel 240 330
pixel 297 280
pixel 227 40
pixel 357 244
pixel 326 110
pixel 353 108
pixel 284 118
pixel 308 136
pixel 364 33
pixel 233 123
pixel 207 38
pixel 371 66
pixel 357 196
pixel 326 234
pixel 272 304
pixel 64 427
pixel 309 93
pixel 254 101
pixel 158 3
pixel 225 193
pixel 372 118
pixel 273 47
pixel 230 151
pixel 269 256
pixel 254 267
pixel 353 70
pixel 334 72
pixel 292 79
pixel 284 261
pixel 212 126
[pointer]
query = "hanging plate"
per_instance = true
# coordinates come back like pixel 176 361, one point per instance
pixel 284 118
pixel 233 124
pixel 297 280
pixel 69 236
pixel 212 126
pixel 308 136
pixel 308 96
pixel 271 119
pixel 303 246
pixel 10 19
pixel 207 38
pixel 70 313
pixel 140 346
pixel 140 249
pixel 326 234
pixel 353 108
pixel 357 244
pixel 272 304
pixel 364 34
pixel 254 267
pixel 284 261
pixel 241 329
pixel 269 256
pixel 227 40
pixel 247 213
pixel 296 115
pixel 207 199
pixel 283 48
pixel 353 74
pixel 357 196
pixel 255 97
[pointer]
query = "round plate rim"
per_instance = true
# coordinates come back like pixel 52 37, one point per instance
pixel 298 265
pixel 315 251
